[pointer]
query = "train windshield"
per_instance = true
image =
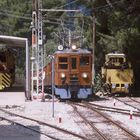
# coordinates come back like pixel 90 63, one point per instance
pixel 116 60
pixel 63 62
pixel 117 63
pixel 84 60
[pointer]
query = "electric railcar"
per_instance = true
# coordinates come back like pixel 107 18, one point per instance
pixel 7 68
pixel 72 73
pixel 117 73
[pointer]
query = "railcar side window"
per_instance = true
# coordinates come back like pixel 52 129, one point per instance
pixel 84 60
pixel 63 62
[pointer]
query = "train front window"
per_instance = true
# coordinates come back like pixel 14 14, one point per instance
pixel 84 60
pixel 63 63
pixel 121 60
pixel 73 63
pixel 63 59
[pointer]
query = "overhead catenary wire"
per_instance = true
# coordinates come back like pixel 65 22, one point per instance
pixel 104 6
pixel 68 4
pixel 29 18
pixel 12 14
pixel 58 7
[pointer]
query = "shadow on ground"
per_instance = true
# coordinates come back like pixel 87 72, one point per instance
pixel 14 88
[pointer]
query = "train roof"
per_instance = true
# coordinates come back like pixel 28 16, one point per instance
pixel 78 51
pixel 116 54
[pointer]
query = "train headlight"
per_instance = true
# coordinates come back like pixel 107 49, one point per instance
pixel 126 85
pixel 84 75
pixel 113 85
pixel 60 48
pixel 63 75
pixel 73 47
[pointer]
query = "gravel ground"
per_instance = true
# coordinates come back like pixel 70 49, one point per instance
pixel 44 111
pixel 131 124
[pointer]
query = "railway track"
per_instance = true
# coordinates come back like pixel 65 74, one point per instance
pixel 94 133
pixel 116 110
pixel 103 121
pixel 129 101
pixel 135 100
pixel 26 127
pixel 47 130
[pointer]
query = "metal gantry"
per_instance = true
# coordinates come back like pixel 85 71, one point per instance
pixel 37 50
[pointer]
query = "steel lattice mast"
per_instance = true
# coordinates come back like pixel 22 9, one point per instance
pixel 40 87
pixel 37 49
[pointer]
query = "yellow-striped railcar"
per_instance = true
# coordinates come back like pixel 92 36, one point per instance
pixel 117 73
pixel 7 68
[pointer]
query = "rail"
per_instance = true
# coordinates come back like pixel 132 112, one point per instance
pixel 89 123
pixel 42 123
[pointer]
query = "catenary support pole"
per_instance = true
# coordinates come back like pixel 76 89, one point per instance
pixel 93 55
pixel 53 60
pixel 28 93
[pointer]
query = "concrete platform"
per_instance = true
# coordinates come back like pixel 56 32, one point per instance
pixel 12 98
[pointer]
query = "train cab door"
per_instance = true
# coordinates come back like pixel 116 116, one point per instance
pixel 74 76
pixel 74 68
pixel 73 64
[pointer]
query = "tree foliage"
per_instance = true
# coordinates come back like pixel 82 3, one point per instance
pixel 117 25
pixel 117 29
pixel 15 17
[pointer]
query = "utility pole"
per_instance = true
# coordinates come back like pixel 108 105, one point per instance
pixel 34 47
pixel 93 55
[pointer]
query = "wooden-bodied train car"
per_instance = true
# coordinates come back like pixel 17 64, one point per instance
pixel 117 73
pixel 72 73
pixel 7 68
